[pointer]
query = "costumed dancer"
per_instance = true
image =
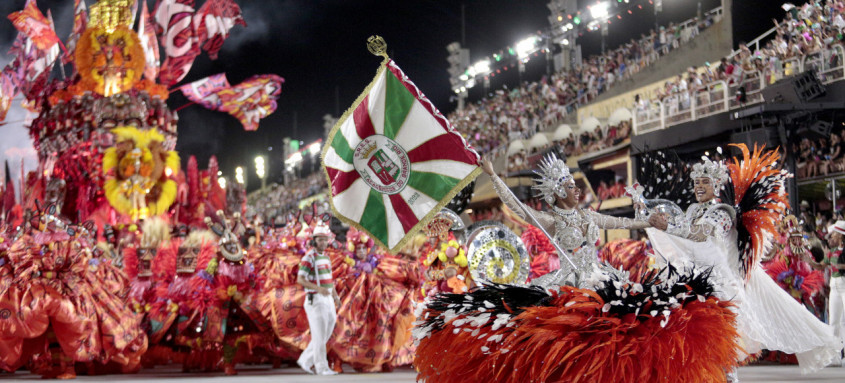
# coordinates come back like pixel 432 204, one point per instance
pixel 315 275
pixel 584 322
pixel 376 310
pixel 180 307
pixel 139 264
pixel 64 313
pixel 108 265
pixel 446 261
pixel 790 267
pixel 236 319
pixel 836 261
pixel 283 299
pixel 731 240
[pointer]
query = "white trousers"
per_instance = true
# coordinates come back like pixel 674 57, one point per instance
pixel 836 306
pixel 321 320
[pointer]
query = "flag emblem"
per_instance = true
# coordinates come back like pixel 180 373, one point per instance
pixel 383 164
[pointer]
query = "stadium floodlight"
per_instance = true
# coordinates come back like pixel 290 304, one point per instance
pixel 294 158
pixel 526 47
pixel 480 68
pixel 239 174
pixel 599 11
pixel 315 148
pixel 259 167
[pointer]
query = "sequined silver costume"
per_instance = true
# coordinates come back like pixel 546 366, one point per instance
pixel 576 231
pixel 704 220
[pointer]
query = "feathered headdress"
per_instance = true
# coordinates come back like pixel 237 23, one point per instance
pixel 155 231
pixel 553 175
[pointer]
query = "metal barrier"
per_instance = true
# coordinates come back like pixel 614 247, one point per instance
pixel 756 42
pixel 711 100
pixel 827 63
pixel 651 118
pixel 720 97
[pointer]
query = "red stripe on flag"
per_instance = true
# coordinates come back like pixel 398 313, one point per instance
pixel 442 147
pixel 341 180
pixel 404 212
pixel 363 123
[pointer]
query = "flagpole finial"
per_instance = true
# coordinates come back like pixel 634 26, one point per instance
pixel 377 46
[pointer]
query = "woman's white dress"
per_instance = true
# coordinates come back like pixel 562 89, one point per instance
pixel 767 316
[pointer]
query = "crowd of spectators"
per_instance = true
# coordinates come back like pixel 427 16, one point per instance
pixel 519 113
pixel 805 30
pixel 602 137
pixel 819 156
pixel 278 200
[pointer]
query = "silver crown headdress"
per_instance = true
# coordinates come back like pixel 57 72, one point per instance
pixel 553 176
pixel 716 171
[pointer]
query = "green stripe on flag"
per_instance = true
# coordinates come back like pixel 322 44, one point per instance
pixel 433 185
pixel 375 216
pixel 341 147
pixel 397 103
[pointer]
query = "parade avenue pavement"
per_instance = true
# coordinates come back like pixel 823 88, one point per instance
pixel 261 374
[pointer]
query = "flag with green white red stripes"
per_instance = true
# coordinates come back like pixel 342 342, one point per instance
pixel 393 160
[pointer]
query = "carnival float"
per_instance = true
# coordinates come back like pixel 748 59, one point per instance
pixel 90 276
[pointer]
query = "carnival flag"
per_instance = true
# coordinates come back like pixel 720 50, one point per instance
pixel 178 39
pixel 147 35
pixel 252 100
pixel 32 23
pixel 80 22
pixel 249 101
pixel 393 160
pixel 30 69
pixel 204 92
pixel 213 22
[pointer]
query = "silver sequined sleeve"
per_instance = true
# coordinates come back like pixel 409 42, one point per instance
pixel 609 222
pixel 506 195
pixel 715 223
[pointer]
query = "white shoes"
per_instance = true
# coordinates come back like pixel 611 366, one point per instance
pixel 308 369
pixel 311 371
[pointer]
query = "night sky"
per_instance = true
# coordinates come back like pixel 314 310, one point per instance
pixel 319 47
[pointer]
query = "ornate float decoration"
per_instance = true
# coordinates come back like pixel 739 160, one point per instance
pixel 103 124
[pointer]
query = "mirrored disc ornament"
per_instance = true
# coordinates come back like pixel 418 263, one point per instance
pixel 497 255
